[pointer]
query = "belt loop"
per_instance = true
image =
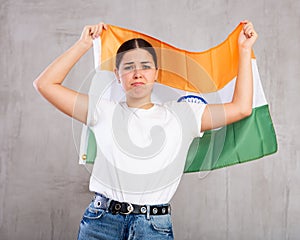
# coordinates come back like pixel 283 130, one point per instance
pixel 148 212
pixel 108 204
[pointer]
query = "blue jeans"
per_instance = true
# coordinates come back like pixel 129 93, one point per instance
pixel 98 224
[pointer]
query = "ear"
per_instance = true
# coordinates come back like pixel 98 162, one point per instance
pixel 117 75
pixel 156 74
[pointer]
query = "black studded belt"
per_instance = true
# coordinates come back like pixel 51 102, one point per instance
pixel 115 207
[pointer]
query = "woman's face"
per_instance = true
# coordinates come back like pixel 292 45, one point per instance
pixel 137 73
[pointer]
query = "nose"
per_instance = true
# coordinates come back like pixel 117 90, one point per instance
pixel 137 73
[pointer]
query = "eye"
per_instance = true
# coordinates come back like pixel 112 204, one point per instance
pixel 128 68
pixel 146 67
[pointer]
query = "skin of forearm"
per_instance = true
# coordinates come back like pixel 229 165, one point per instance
pixel 243 94
pixel 56 72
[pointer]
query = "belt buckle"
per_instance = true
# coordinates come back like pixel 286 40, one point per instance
pixel 129 209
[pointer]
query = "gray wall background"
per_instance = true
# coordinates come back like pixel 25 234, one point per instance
pixel 43 190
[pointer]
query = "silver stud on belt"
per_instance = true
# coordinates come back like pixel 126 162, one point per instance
pixel 143 210
pixel 129 208
pixel 118 206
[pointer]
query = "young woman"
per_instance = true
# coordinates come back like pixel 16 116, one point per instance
pixel 138 167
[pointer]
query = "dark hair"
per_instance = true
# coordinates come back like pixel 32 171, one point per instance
pixel 134 44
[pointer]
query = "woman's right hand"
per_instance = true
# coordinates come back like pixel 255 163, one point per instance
pixel 90 32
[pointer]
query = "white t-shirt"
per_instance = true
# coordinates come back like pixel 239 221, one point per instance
pixel 141 153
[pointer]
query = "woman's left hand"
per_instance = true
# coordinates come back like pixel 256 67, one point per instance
pixel 247 36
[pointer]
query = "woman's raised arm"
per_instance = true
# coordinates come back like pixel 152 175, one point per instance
pixel 49 82
pixel 218 115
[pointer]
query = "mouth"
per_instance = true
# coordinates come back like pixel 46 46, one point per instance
pixel 137 84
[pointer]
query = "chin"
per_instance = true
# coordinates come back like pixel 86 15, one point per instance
pixel 140 92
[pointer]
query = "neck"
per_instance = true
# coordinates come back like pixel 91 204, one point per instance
pixel 139 103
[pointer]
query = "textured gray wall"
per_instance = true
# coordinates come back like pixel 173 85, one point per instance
pixel 43 190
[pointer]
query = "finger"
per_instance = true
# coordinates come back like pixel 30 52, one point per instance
pixel 95 31
pixel 248 26
pixel 90 30
pixel 86 31
pixel 101 27
pixel 244 21
pixel 96 34
pixel 254 34
pixel 249 30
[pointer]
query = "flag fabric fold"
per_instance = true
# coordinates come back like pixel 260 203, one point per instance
pixel 210 74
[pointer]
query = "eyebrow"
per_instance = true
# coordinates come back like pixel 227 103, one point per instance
pixel 144 62
pixel 128 63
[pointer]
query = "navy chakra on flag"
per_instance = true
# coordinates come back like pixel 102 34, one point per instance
pixel 192 99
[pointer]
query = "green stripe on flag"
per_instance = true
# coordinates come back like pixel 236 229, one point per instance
pixel 92 148
pixel 246 140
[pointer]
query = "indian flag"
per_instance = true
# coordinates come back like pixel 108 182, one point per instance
pixel 209 74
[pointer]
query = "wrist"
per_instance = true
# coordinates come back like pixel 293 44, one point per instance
pixel 82 45
pixel 245 51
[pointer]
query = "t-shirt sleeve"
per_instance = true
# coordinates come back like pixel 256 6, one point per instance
pixel 197 109
pixel 92 111
pixel 97 106
pixel 190 115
